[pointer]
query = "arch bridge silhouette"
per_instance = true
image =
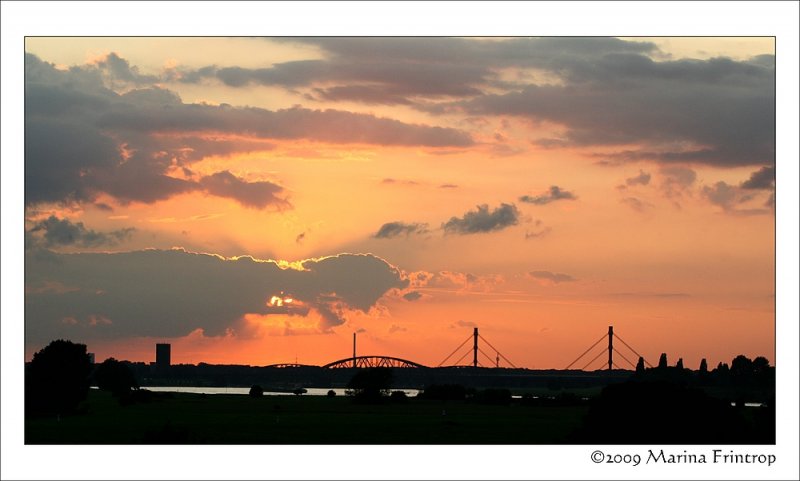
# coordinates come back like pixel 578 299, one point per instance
pixel 372 361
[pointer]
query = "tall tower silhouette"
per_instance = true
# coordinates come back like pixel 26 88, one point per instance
pixel 475 348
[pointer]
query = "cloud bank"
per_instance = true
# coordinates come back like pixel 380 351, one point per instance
pixel 555 193
pixel 84 139
pixel 482 220
pixel 553 277
pixel 170 293
pixel 55 232
pixel 395 229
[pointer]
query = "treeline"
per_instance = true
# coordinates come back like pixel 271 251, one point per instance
pixel 743 380
pixel 58 378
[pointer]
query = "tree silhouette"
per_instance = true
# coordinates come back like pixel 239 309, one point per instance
pixel 661 412
pixel 704 366
pixel 679 365
pixel 58 378
pixel 662 361
pixel 760 365
pixel 116 377
pixel 741 367
pixel 371 384
pixel 640 365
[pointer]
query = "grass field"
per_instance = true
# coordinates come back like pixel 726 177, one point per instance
pixel 239 419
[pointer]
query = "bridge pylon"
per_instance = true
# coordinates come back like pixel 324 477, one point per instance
pixel 611 350
pixel 476 349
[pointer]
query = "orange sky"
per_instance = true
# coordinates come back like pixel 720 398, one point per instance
pixel 539 189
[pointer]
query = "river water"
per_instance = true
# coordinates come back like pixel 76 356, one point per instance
pixel 311 391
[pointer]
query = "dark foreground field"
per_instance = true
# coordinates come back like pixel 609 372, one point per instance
pixel 239 419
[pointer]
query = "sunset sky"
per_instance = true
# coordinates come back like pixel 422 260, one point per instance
pixel 259 200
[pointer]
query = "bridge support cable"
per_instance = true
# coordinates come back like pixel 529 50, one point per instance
pixel 623 357
pixel 633 350
pixel 587 351
pixel 462 357
pixel 455 351
pixel 498 352
pixel 593 360
pixel 486 356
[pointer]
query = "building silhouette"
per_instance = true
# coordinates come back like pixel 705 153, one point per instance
pixel 163 356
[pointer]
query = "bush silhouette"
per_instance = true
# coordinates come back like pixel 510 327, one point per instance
pixel 57 379
pixel 116 377
pixel 256 391
pixel 660 413
pixel 398 396
pixel 331 393
pixel 371 384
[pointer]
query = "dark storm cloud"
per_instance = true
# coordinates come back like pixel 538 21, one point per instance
pixel 335 126
pixel 763 178
pixel 171 293
pixel 482 220
pixel 726 106
pixel 394 229
pixel 770 203
pixel 371 81
pixel 397 70
pixel 721 194
pixel 611 92
pixel 258 194
pixel 367 94
pixel 554 277
pixel 55 232
pixel 118 68
pixel 58 153
pixel 485 52
pixel 730 198
pixel 83 139
pixel 555 193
